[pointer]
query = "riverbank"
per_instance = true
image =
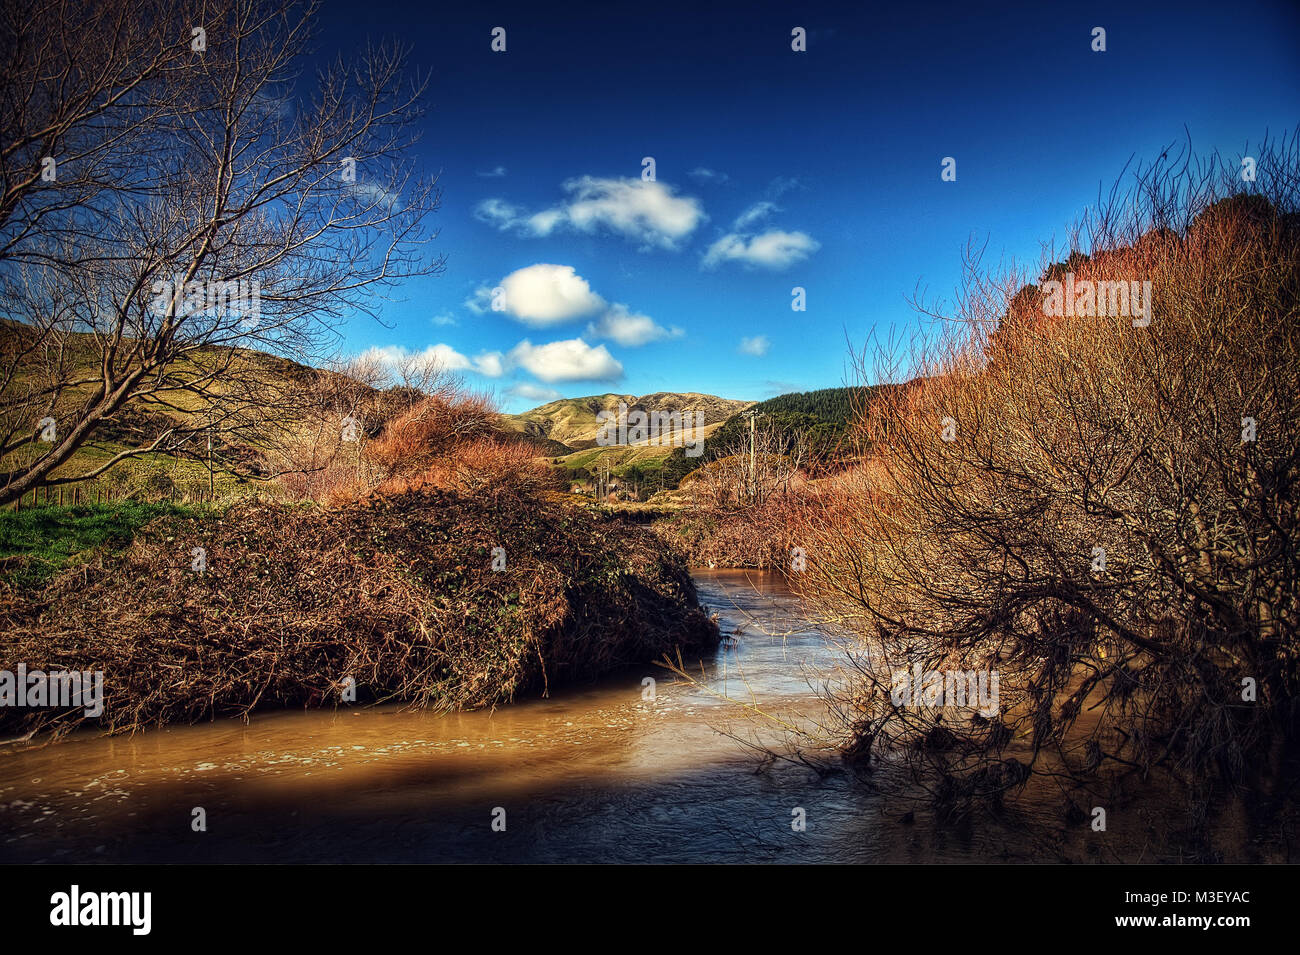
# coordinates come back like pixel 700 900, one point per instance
pixel 596 772
pixel 432 599
pixel 749 538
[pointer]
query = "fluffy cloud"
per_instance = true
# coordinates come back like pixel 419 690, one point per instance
pixel 542 295
pixel 545 295
pixel 772 249
pixel 631 330
pixel 646 212
pixel 532 392
pixel 572 360
pixel 756 346
pixel 494 173
pixel 440 356
pixel 490 364
pixel 497 212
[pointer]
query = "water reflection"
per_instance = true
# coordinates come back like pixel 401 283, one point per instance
pixel 595 774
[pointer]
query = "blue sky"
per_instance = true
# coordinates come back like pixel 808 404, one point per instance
pixel 774 169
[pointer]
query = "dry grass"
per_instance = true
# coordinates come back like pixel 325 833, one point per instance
pixel 1073 434
pixel 396 592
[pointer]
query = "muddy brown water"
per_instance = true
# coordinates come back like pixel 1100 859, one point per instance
pixel 593 774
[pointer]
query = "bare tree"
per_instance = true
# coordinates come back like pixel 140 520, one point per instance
pixel 213 205
pixel 752 469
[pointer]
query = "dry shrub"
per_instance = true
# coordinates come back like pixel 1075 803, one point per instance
pixel 1075 436
pixel 396 592
pixel 762 535
pixel 402 420
pixel 432 431
pixel 319 465
pixel 449 440
pixel 745 510
pixel 491 464
pixel 481 466
pixel 314 461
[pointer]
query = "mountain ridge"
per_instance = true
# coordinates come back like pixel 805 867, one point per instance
pixel 574 421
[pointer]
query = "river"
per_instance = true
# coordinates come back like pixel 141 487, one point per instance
pixel 594 773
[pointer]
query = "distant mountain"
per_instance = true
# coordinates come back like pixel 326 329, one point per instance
pixel 820 418
pixel 573 423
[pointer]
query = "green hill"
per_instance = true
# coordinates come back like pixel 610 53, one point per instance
pixel 573 421
pixel 821 418
pixel 242 456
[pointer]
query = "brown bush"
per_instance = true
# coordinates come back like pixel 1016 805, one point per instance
pixel 1086 433
pixel 396 592
pixel 745 509
pixel 431 432
pixel 449 438
pixel 491 464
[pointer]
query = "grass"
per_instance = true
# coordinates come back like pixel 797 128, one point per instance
pixel 620 459
pixel 36 543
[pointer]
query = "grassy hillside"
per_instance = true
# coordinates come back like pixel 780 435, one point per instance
pixel 572 421
pixel 638 464
pixel 36 543
pixel 186 476
pixel 563 431
pixel 156 476
pixel 821 418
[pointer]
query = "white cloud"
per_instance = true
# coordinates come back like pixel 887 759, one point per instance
pixel 542 295
pixel 704 174
pixel 480 301
pixel 441 356
pixel 511 218
pixel 533 392
pixel 372 195
pixel 783 184
pixel 759 210
pixel 545 222
pixel 647 212
pixel 444 318
pixel 494 173
pixel 490 364
pixel 444 356
pixel 621 325
pixel 756 346
pixel 773 249
pixel 546 295
pixel 497 212
pixel 572 360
